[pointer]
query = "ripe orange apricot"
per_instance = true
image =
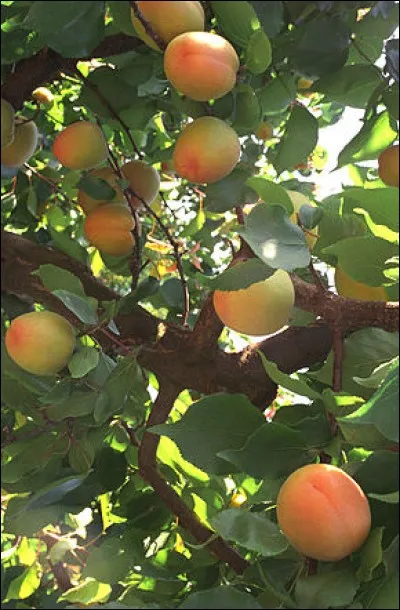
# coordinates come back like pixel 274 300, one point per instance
pixel 264 131
pixel 298 200
pixel 206 151
pixel 168 19
pixel 88 204
pixel 81 145
pixel 261 309
pixel 40 342
pixel 144 180
pixel 23 145
pixel 323 512
pixel 201 65
pixel 109 227
pixel 347 287
pixel 388 166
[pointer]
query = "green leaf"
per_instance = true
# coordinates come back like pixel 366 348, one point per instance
pixel 96 188
pixel 56 278
pixel 85 360
pixel 229 192
pixel 253 531
pixel 87 592
pixel 351 86
pixel 332 589
pixel 27 523
pixel 121 15
pixel 225 597
pixel 240 276
pixel 270 192
pixel 293 385
pixel 371 554
pixel 52 493
pixel 73 29
pixel 287 451
pixel 258 54
pixel 247 113
pixel 369 33
pixel 83 308
pixel 81 455
pixel 271 15
pixel 363 258
pixel 278 94
pixel 112 90
pixel 274 238
pixel 120 383
pixel 99 566
pixel 298 141
pixel 211 425
pixel 64 242
pixel 24 585
pixel 61 548
pixel 322 48
pixel 386 213
pixel 238 21
pixel 392 498
pixel 378 374
pixel 76 404
pixel 373 138
pixel 195 225
pixel 380 411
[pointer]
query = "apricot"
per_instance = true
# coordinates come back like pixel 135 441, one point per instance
pixel 81 146
pixel 201 65
pixel 168 20
pixel 22 147
pixel 7 123
pixel 40 342
pixel 144 180
pixel 207 150
pixel 304 83
pixel 261 309
pixel 109 229
pixel 347 287
pixel 298 200
pixel 264 131
pixel 44 96
pixel 323 512
pixel 167 167
pixel 388 166
pixel 88 204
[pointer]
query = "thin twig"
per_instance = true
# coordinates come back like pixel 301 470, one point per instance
pixel 239 214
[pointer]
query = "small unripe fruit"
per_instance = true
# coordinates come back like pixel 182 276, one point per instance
pixel 323 512
pixel 109 227
pixel 206 151
pixel 168 19
pixel 201 65
pixel 261 309
pixel 40 342
pixel 7 123
pixel 347 287
pixel 304 83
pixel 264 131
pixel 298 200
pixel 88 204
pixel 388 166
pixel 22 147
pixel 144 180
pixel 237 500
pixel 81 146
pixel 44 96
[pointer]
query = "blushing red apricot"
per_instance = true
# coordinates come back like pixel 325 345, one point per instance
pixel 323 512
pixel 347 287
pixel 168 19
pixel 88 204
pixel 201 65
pixel 264 131
pixel 261 309
pixel 109 228
pixel 23 145
pixel 40 342
pixel 388 166
pixel 144 180
pixel 81 146
pixel 206 151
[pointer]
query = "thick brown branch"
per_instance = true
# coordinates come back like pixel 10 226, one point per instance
pixel 148 470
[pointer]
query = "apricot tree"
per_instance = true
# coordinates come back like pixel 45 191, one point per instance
pixel 199 340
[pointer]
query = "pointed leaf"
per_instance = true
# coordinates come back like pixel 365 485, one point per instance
pixel 299 140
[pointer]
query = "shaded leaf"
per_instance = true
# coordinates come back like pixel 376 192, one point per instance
pixel 298 141
pixel 83 308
